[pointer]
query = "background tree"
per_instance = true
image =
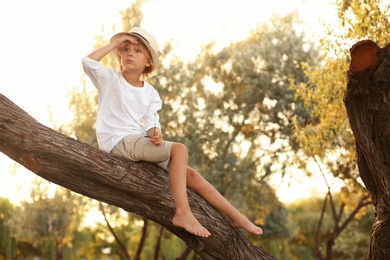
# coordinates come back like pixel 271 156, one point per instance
pixel 368 108
pixel 233 110
pixel 83 245
pixel 8 243
pixel 48 223
pixel 323 93
pixel 329 136
pixel 351 243
pixel 305 214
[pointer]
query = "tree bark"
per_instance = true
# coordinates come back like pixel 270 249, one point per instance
pixel 367 100
pixel 141 188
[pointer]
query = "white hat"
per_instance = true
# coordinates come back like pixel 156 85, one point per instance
pixel 148 39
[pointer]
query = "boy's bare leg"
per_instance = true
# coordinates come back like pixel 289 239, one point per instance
pixel 177 177
pixel 212 196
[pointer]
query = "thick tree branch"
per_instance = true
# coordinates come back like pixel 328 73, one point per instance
pixel 367 100
pixel 141 188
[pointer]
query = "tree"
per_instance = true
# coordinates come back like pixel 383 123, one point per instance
pixel 7 242
pixel 367 103
pixel 341 219
pixel 48 222
pixel 141 188
pixel 329 137
pixel 354 240
pixel 329 133
pixel 351 242
pixel 237 108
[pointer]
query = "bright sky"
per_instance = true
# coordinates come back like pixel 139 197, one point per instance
pixel 43 41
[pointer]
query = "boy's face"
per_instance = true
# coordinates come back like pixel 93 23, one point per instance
pixel 135 56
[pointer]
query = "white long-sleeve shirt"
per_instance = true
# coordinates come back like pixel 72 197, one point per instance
pixel 123 109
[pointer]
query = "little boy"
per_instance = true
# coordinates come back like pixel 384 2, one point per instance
pixel 128 125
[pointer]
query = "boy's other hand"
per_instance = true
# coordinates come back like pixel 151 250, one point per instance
pixel 155 136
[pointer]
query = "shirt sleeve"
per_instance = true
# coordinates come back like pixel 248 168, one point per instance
pixel 98 74
pixel 152 118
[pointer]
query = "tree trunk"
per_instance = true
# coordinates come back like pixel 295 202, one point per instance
pixel 367 100
pixel 141 188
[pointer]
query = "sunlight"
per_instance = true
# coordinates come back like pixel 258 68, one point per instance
pixel 212 86
pixel 15 180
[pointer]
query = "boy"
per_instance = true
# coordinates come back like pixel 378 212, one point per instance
pixel 128 125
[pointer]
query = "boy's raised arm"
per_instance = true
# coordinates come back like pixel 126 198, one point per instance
pixel 101 52
pixel 118 43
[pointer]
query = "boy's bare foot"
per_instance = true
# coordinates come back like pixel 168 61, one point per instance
pixel 190 224
pixel 247 225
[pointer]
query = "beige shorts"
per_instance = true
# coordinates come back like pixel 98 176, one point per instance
pixel 139 148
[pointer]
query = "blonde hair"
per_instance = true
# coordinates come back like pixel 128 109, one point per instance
pixel 148 71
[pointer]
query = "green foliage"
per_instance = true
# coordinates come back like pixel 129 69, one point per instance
pixel 363 19
pixel 305 214
pixel 48 223
pixel 277 229
pixel 82 245
pixel 7 241
pixel 329 135
pixel 354 242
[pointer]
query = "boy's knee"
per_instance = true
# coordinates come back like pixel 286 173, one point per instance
pixel 179 148
pixel 192 174
pixel 194 179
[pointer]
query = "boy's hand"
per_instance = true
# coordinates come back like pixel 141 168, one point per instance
pixel 118 43
pixel 124 40
pixel 155 135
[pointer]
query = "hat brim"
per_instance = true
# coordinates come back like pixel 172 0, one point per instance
pixel 155 59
